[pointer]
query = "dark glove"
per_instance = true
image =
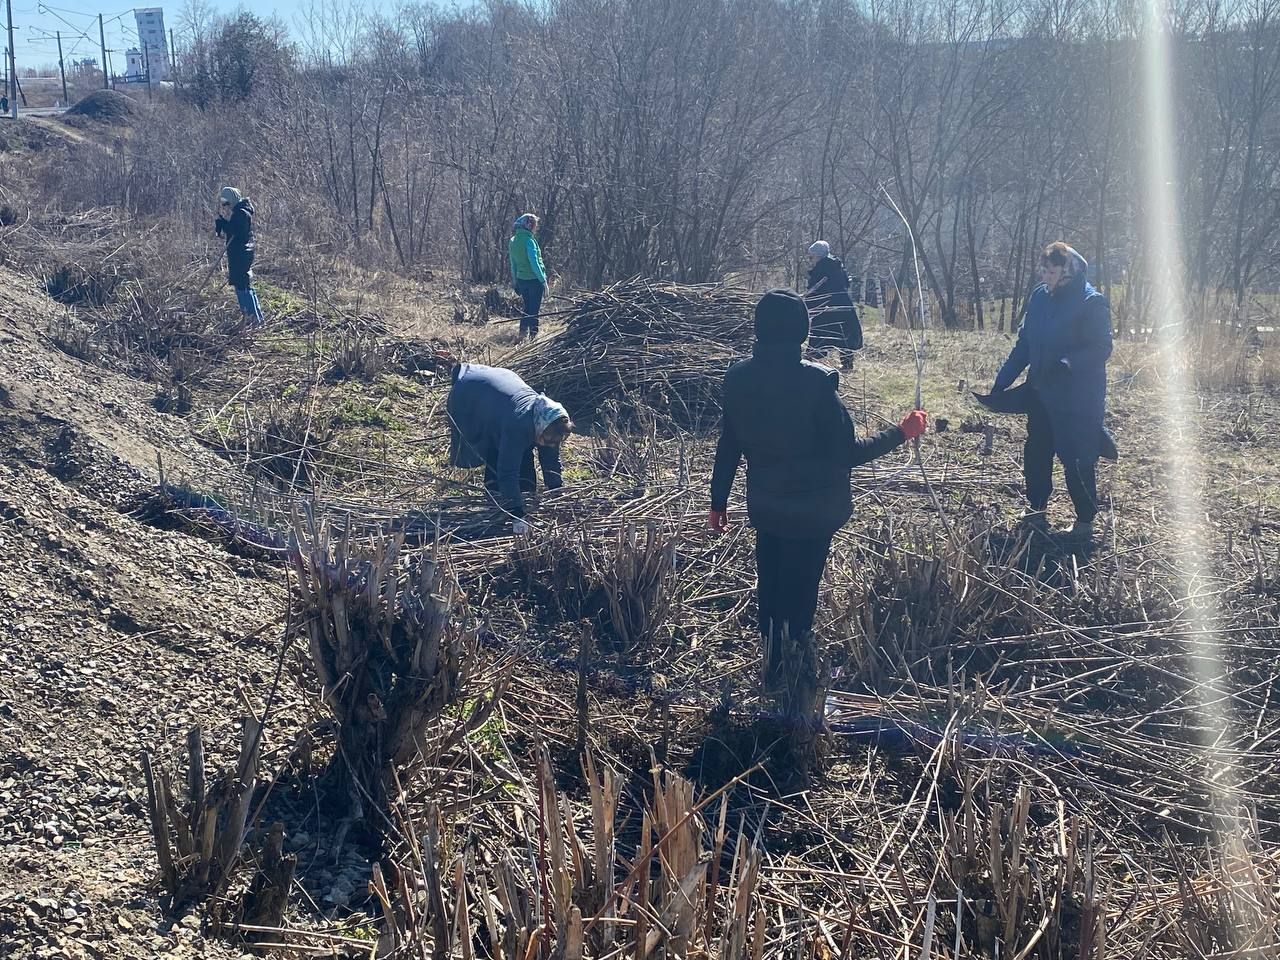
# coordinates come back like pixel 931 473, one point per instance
pixel 914 424
pixel 218 225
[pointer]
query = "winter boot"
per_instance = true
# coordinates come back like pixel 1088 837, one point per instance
pixel 1035 520
pixel 1081 532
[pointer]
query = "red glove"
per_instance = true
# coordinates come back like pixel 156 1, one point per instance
pixel 914 423
pixel 718 520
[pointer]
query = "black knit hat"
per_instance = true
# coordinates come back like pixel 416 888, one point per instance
pixel 782 317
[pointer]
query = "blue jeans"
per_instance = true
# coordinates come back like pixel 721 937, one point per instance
pixel 531 292
pixel 247 297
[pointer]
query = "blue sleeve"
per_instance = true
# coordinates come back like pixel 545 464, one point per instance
pixel 535 258
pixel 552 474
pixel 1017 361
pixel 511 259
pixel 1095 346
pixel 511 453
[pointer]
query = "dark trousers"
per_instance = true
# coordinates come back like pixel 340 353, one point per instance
pixel 1037 467
pixel 528 476
pixel 788 575
pixel 531 292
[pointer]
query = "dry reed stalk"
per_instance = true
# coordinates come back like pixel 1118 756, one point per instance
pixel 640 583
pixel 199 838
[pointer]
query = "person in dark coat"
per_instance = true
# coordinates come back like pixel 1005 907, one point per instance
pixel 1063 344
pixel 235 222
pixel 784 416
pixel 834 322
pixel 496 421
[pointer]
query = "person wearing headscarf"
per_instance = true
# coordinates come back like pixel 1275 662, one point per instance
pixel 235 222
pixel 497 421
pixel 783 415
pixel 1063 343
pixel 528 274
pixel 834 320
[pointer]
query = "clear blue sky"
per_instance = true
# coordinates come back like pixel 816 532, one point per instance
pixel 33 21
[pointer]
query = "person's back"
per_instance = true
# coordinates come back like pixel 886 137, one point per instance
pixel 831 279
pixel 525 256
pixel 775 404
pixel 485 401
pixel 783 415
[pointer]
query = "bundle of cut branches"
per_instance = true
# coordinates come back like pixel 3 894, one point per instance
pixel 642 344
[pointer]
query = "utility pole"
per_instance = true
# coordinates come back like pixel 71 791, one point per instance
pixel 173 53
pixel 13 66
pixel 146 64
pixel 63 70
pixel 102 38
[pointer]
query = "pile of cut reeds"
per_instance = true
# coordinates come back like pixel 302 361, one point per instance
pixel 642 343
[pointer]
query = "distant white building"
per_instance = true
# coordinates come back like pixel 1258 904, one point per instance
pixel 154 41
pixel 134 70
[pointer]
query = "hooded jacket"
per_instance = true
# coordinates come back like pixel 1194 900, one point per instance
pixel 525 257
pixel 238 229
pixel 783 416
pixel 493 417
pixel 1063 343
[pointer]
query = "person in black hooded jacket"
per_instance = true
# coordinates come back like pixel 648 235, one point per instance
pixel 235 222
pixel 835 320
pixel 784 416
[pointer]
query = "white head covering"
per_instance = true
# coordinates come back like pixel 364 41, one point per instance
pixel 819 248
pixel 546 412
pixel 229 195
pixel 523 220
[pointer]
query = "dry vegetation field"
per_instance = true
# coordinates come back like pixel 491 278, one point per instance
pixel 436 741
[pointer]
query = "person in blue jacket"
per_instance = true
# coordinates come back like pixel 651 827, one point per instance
pixel 1063 344
pixel 496 421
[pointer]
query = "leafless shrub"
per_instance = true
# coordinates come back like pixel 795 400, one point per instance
pixel 1225 905
pixel 393 647
pixel 1024 890
pixel 75 284
pixel 620 450
pixel 356 354
pixel 285 446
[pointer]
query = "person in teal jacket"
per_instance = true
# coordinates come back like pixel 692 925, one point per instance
pixel 528 275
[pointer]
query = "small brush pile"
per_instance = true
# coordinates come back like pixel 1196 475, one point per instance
pixel 644 344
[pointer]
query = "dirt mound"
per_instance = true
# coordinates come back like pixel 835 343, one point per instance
pixel 114 634
pixel 106 106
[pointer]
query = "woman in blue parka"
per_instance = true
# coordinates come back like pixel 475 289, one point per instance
pixel 1063 344
pixel 497 421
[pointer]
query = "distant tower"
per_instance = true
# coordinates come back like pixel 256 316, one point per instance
pixel 134 70
pixel 153 40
